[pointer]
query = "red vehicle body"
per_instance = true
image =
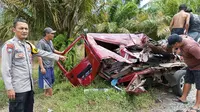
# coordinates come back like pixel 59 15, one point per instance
pixel 131 59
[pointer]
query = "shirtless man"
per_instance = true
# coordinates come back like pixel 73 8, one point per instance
pixel 180 22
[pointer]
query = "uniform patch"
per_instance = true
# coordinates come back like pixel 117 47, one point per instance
pixel 10 48
pixel 20 55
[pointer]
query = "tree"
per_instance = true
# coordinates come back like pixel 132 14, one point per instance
pixel 62 15
pixel 115 13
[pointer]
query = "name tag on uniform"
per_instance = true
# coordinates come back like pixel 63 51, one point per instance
pixel 19 55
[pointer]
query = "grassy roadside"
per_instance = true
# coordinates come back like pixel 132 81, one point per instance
pixel 67 98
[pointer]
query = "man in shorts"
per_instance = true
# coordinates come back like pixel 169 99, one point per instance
pixel 46 66
pixel 190 50
pixel 180 22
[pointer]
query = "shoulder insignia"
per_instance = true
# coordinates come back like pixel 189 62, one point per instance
pixel 9 47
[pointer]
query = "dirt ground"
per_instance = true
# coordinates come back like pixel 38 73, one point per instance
pixel 165 101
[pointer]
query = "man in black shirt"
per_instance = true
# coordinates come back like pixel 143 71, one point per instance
pixel 194 28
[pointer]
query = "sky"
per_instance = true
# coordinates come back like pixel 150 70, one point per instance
pixel 143 2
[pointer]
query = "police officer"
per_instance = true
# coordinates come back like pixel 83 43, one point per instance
pixel 17 68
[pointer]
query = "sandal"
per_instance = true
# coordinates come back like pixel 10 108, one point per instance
pixel 180 101
pixel 193 110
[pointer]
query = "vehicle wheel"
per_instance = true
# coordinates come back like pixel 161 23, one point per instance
pixel 178 88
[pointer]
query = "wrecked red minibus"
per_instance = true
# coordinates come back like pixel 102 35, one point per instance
pixel 134 60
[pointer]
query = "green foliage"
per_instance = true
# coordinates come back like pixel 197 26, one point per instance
pixel 3 97
pixel 126 11
pixel 115 15
pixel 110 16
pixel 192 4
pixel 85 99
pixel 74 56
pixel 160 13
pixel 5 27
pixel 153 19
pixel 62 15
pixel 60 42
pixel 102 27
pixel 123 30
pixel 112 27
pixel 113 10
pixel 173 4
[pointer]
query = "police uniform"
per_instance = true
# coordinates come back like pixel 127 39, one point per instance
pixel 17 71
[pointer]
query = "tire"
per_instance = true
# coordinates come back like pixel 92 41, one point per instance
pixel 178 88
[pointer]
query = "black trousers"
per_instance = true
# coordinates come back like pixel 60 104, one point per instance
pixel 23 102
pixel 178 31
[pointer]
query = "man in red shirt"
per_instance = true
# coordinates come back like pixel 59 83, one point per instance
pixel 190 50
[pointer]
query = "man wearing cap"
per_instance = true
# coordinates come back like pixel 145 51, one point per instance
pixel 190 50
pixel 46 71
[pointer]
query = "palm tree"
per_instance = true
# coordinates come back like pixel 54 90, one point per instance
pixel 70 17
pixel 62 15
pixel 115 13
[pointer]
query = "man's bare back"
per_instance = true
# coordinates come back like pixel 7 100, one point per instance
pixel 180 22
pixel 180 19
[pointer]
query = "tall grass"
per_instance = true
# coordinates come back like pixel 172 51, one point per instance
pixel 67 98
pixel 3 96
